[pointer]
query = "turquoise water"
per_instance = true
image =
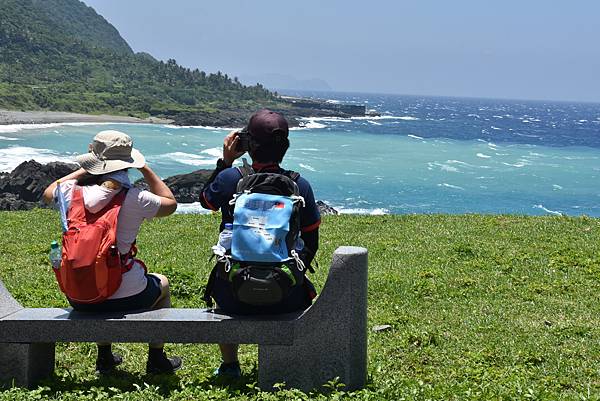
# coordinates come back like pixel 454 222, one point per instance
pixel 390 164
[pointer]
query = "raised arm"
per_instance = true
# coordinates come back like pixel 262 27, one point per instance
pixel 168 204
pixel 48 195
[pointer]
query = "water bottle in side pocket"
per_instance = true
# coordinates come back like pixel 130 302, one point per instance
pixel 55 255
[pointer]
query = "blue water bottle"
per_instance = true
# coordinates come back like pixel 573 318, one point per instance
pixel 55 255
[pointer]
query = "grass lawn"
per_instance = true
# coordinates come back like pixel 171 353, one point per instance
pixel 480 307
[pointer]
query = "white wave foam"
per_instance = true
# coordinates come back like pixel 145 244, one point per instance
pixel 307 167
pixel 483 156
pixel 314 125
pixel 4 138
pixel 496 128
pixel 12 156
pixel 554 212
pixel 20 127
pixel 373 122
pixel 191 208
pixel 372 212
pixel 215 152
pixel 405 118
pixel 449 168
pixel 526 135
pixel 414 136
pixel 517 165
pixel 555 186
pixel 360 174
pixel 450 186
pixel 186 158
pixel 461 163
pixel 443 167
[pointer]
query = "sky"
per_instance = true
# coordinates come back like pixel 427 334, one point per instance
pixel 516 49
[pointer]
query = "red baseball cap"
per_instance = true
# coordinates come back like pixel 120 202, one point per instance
pixel 267 125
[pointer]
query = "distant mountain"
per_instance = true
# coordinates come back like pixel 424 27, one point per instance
pixel 282 81
pixel 61 55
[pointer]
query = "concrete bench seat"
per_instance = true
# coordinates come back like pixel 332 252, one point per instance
pixel 304 350
pixel 177 325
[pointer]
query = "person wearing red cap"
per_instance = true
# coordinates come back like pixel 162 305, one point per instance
pixel 268 143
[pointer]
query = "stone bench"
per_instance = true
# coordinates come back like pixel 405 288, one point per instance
pixel 304 350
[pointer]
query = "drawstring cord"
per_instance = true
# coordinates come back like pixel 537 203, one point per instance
pixel 299 261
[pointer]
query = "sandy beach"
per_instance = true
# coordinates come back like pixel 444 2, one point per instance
pixel 45 117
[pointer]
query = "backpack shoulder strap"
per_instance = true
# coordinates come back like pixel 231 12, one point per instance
pixel 76 211
pixel 246 169
pixel 293 175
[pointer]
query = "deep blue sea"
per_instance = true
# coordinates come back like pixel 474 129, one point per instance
pixel 422 155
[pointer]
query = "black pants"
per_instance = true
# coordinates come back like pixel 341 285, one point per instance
pixel 143 300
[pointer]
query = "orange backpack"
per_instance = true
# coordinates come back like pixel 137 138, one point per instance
pixel 91 268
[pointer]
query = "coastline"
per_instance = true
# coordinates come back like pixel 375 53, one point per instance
pixel 294 108
pixel 9 117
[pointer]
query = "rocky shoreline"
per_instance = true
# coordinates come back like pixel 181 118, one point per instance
pixel 293 108
pixel 22 188
pixel 48 117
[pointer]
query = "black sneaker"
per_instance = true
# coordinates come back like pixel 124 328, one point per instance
pixel 228 371
pixel 162 364
pixel 106 364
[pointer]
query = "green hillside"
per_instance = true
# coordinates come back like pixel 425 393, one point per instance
pixel 61 55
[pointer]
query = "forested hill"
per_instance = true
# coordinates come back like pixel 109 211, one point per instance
pixel 61 55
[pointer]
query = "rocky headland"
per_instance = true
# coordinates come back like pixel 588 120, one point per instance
pixel 22 188
pixel 295 109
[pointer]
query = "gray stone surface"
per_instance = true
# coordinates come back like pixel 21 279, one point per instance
pixel 304 350
pixel 331 336
pixel 8 304
pixel 163 325
pixel 24 365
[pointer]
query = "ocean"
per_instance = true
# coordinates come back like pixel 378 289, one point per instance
pixel 422 155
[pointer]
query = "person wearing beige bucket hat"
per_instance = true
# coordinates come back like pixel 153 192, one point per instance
pixel 110 151
pixel 103 175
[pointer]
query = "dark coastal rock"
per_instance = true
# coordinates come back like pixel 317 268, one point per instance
pixel 297 108
pixel 22 188
pixel 12 202
pixel 185 187
pixel 325 209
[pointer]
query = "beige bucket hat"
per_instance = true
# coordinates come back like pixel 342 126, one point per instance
pixel 110 151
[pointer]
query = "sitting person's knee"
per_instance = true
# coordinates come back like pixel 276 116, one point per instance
pixel 163 280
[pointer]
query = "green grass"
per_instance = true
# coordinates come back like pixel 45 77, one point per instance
pixel 480 307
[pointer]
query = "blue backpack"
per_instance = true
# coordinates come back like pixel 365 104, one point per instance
pixel 263 264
